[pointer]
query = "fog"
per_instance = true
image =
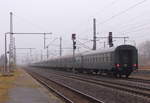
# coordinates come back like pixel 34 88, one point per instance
pixel 64 17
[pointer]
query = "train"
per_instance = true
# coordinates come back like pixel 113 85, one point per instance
pixel 118 61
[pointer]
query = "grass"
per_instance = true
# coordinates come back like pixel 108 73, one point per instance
pixel 6 82
pixel 144 67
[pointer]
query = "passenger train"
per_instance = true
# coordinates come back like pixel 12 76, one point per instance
pixel 117 61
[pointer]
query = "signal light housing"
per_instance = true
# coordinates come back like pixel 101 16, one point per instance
pixel 110 39
pixel 74 44
pixel 73 36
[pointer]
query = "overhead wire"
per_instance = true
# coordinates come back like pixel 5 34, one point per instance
pixel 27 21
pixel 136 30
pixel 85 46
pixel 136 27
pixel 108 5
pixel 122 12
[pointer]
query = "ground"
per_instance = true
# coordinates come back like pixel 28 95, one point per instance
pixel 22 88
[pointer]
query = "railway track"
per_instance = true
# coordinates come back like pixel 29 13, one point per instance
pixel 138 80
pixel 68 94
pixel 132 89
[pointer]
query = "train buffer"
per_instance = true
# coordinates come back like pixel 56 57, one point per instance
pixel 22 88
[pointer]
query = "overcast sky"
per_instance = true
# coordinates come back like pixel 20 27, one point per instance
pixel 64 17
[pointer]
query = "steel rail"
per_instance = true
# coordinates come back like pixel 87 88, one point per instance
pixel 50 88
pixel 88 97
pixel 123 87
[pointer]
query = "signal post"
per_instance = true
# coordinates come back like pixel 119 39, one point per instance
pixel 74 48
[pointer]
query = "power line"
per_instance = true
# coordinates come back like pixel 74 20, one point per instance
pixel 83 45
pixel 131 22
pixel 136 30
pixel 122 12
pixel 110 4
pixel 36 26
pixel 136 27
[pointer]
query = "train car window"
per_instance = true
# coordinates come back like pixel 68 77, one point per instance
pixel 92 59
pixel 96 58
pixel 100 59
pixel 111 57
pixel 104 58
pixel 108 56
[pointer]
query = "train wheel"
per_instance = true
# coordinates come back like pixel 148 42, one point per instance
pixel 84 71
pixel 99 73
pixel 127 75
pixel 120 75
pixel 115 74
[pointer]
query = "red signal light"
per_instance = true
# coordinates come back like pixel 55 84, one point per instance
pixel 134 65
pixel 118 65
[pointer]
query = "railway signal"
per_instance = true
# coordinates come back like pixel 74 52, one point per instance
pixel 110 39
pixel 74 48
pixel 73 36
pixel 74 42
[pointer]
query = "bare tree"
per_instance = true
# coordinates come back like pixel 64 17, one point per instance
pixel 144 53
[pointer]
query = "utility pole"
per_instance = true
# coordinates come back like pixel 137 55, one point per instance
pixel 28 49
pixel 31 54
pixel 5 66
pixel 12 45
pixel 41 55
pixel 11 51
pixel 125 39
pixel 47 53
pixel 60 46
pixel 14 52
pixel 104 44
pixel 44 40
pixel 94 34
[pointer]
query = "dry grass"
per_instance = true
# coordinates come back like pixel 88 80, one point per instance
pixel 144 67
pixel 6 82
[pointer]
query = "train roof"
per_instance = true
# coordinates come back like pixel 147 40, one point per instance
pixel 104 50
pixel 107 50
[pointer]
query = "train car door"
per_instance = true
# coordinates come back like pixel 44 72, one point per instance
pixel 125 58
